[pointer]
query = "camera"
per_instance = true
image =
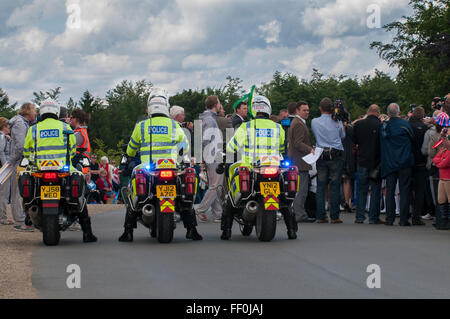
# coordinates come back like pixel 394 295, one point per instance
pixel 412 107
pixel 340 112
pixel 438 102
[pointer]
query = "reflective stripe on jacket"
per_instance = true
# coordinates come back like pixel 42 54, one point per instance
pixel 269 135
pixel 51 142
pixel 167 139
pixel 86 144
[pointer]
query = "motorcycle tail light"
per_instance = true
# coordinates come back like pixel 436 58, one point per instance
pixel 141 183
pixel 166 175
pixel 26 188
pixel 244 179
pixel 189 181
pixel 269 172
pixel 75 186
pixel 50 177
pixel 292 178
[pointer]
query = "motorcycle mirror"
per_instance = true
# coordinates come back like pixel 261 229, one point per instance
pixel 25 162
pixel 220 169
pixel 86 162
pixel 186 159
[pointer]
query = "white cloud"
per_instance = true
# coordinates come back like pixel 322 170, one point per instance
pixel 14 76
pixel 32 13
pixel 271 31
pixel 343 16
pixel 107 62
pixel 204 61
pixel 90 18
pixel 33 39
pixel 175 32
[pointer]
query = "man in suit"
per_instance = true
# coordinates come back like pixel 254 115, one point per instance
pixel 300 145
pixel 240 116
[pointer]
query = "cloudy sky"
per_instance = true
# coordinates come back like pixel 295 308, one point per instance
pixel 182 44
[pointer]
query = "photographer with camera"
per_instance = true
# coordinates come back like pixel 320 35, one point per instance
pixel 437 103
pixel 329 132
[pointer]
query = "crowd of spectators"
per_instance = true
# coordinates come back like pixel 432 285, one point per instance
pixel 379 163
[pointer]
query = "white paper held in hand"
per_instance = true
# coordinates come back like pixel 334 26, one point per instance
pixel 312 158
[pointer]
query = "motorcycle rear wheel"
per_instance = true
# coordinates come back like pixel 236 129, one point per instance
pixel 50 230
pixel 165 224
pixel 266 223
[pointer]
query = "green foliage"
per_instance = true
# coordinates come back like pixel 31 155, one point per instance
pixel 421 51
pixel 6 110
pixel 42 96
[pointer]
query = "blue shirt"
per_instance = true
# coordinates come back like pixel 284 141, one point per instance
pixel 328 132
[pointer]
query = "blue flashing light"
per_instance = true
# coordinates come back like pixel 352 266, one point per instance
pixel 66 168
pixel 287 164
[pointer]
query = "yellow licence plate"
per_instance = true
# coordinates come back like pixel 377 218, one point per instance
pixel 50 192
pixel 166 191
pixel 270 189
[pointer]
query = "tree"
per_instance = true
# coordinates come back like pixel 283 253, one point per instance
pixel 6 110
pixel 421 51
pixel 89 103
pixel 53 94
pixel 71 105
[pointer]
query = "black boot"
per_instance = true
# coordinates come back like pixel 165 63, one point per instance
pixel 226 234
pixel 292 234
pixel 291 223
pixel 442 223
pixel 445 223
pixel 193 234
pixel 127 235
pixel 88 236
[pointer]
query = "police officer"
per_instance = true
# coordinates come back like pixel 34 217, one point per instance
pixel 46 141
pixel 168 140
pixel 272 144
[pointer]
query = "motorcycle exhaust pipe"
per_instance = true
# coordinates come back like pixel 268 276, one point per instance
pixel 250 210
pixel 33 212
pixel 148 214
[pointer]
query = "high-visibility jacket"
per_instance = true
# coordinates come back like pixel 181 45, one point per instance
pixel 86 144
pixel 167 139
pixel 269 136
pixel 47 142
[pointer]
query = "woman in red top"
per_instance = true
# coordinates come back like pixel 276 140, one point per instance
pixel 442 161
pixel 104 186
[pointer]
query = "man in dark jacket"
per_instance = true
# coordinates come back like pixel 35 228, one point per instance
pixel 300 145
pixel 240 116
pixel 366 134
pixel 397 160
pixel 420 173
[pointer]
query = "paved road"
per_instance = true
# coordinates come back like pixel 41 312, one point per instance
pixel 328 261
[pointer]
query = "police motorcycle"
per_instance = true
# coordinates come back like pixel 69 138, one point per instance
pixel 53 196
pixel 158 189
pixel 257 192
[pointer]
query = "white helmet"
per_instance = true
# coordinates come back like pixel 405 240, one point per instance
pixel 158 102
pixel 49 107
pixel 261 104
